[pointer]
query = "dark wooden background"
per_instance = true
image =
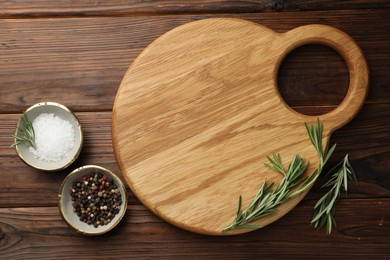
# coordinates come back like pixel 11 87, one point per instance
pixel 76 53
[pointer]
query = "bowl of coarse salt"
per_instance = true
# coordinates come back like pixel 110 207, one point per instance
pixel 56 138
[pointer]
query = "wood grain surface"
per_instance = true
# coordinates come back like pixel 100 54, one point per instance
pixel 49 60
pixel 76 53
pixel 199 108
pixel 143 235
pixel 55 8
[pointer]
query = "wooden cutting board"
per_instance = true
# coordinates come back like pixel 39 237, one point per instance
pixel 199 110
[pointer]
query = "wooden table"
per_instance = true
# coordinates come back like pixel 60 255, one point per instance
pixel 76 53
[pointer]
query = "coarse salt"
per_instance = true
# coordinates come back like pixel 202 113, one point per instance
pixel 54 137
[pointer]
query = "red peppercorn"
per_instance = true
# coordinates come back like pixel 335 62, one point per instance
pixel 104 178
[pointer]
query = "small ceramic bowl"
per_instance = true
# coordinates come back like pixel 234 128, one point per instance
pixel 65 201
pixel 63 113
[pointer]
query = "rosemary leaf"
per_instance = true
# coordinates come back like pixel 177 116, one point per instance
pixel 329 153
pixel 239 211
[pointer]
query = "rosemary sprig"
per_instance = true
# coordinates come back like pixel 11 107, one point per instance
pixel 266 200
pixel 325 208
pixel 315 135
pixel 25 133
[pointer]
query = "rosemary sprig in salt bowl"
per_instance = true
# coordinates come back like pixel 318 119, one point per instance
pixel 25 132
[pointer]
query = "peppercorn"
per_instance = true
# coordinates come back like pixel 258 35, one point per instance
pixel 95 199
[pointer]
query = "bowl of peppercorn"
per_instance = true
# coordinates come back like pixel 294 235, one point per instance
pixel 92 200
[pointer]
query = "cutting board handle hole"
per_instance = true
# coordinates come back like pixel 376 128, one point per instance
pixel 313 79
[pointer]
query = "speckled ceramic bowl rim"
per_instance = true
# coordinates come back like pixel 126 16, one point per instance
pixel 117 180
pixel 78 127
